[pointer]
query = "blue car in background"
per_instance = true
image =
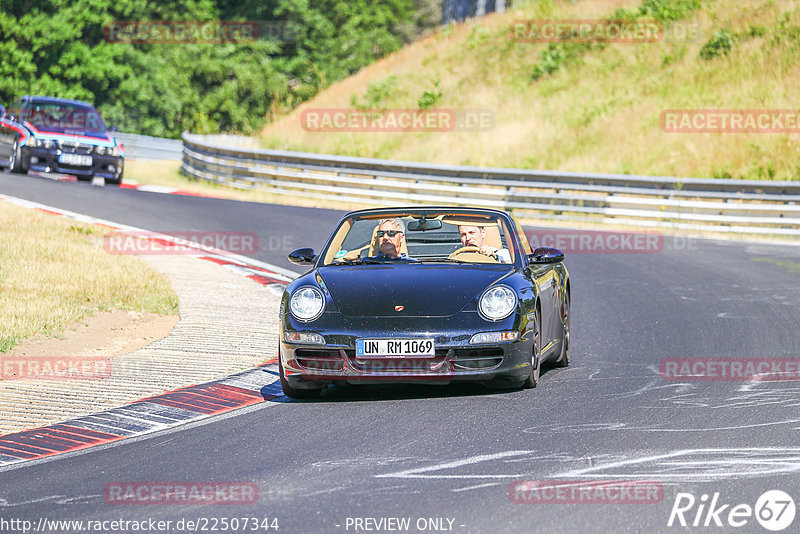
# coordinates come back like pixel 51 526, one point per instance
pixel 49 134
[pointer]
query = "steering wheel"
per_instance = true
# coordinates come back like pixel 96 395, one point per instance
pixel 468 248
pixel 475 254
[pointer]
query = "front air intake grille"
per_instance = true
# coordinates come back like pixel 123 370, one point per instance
pixel 400 365
pixel 475 359
pixel 319 359
pixel 74 147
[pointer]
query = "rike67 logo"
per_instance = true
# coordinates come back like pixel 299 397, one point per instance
pixel 774 510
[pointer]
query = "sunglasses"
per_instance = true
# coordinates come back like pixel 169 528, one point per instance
pixel 390 233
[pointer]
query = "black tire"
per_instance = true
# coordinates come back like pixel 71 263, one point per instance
pixel 295 393
pixel 16 164
pixel 563 360
pixel 536 361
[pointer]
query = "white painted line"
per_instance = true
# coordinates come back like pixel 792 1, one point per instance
pixel 417 473
pixel 487 485
pixel 156 189
pixel 713 429
pixel 783 460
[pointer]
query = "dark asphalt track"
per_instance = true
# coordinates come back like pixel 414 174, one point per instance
pixel 432 452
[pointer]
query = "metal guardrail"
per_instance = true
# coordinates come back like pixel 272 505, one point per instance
pixel 146 147
pixel 741 206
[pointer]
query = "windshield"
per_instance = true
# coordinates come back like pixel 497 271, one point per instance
pixel 63 117
pixel 431 237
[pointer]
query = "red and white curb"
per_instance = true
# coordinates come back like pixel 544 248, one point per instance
pixel 168 410
pixel 145 416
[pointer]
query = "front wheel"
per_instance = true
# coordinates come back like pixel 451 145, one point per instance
pixel 289 391
pixel 536 361
pixel 15 163
pixel 563 360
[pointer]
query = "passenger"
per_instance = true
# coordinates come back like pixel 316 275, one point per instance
pixel 474 236
pixel 391 235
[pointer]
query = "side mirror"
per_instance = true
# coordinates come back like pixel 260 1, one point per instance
pixel 113 129
pixel 546 255
pixel 302 256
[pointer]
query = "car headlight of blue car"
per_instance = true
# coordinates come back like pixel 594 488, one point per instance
pixel 107 150
pixel 47 144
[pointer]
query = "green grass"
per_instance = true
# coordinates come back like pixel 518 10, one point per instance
pixel 54 272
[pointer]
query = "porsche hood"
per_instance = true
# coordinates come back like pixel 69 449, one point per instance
pixel 407 289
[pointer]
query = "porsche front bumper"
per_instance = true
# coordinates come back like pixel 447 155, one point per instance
pixel 309 366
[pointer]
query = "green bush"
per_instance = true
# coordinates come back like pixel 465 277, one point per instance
pixel 376 94
pixel 430 98
pixel 551 59
pixel 668 10
pixel 719 45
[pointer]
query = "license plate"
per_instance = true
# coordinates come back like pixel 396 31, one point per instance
pixel 395 348
pixel 75 159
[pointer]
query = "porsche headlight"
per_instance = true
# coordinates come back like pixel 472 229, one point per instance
pixel 497 303
pixel 307 303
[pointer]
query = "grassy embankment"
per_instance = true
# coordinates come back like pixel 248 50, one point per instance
pixel 570 107
pixel 576 108
pixel 54 272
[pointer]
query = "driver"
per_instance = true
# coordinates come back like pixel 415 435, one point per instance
pixel 474 236
pixel 391 235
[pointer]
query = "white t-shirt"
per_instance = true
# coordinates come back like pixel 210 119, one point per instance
pixel 503 255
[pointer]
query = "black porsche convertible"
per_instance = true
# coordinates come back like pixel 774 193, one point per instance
pixel 430 295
